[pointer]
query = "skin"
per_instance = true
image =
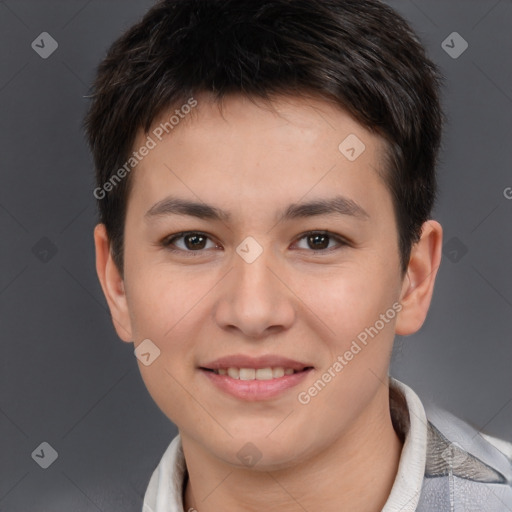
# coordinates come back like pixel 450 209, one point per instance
pixel 338 452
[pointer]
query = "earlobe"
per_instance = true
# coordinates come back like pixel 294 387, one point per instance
pixel 418 284
pixel 112 284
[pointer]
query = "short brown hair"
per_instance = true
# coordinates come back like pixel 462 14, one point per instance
pixel 359 53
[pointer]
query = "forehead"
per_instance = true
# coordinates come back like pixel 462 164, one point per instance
pixel 259 151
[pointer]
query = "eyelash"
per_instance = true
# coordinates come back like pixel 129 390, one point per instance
pixel 169 240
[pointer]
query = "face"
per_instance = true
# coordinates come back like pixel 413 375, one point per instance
pixel 253 278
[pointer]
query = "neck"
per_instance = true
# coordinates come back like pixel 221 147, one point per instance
pixel 356 473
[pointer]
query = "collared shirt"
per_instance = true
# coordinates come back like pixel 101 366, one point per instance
pixel 445 465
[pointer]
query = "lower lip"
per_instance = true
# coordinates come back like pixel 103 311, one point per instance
pixel 253 390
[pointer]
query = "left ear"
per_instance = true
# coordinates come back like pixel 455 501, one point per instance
pixel 418 284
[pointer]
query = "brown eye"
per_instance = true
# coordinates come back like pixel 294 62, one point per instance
pixel 190 241
pixel 321 241
pixel 318 241
pixel 194 241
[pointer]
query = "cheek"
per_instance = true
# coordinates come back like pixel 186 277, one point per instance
pixel 357 340
pixel 165 311
pixel 160 300
pixel 351 298
pixel 164 307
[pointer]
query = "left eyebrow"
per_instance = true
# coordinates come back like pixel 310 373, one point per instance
pixel 175 206
pixel 338 205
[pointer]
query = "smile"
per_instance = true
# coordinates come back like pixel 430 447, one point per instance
pixel 255 373
pixel 255 384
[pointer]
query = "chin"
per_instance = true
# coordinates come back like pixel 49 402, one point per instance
pixel 259 453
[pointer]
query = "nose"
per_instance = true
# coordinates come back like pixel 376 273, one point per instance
pixel 255 299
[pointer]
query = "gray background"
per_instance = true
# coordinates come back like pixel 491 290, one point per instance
pixel 65 377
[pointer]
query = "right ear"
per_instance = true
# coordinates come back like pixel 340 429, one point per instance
pixel 112 284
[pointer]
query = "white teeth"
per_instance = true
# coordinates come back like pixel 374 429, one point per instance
pixel 277 372
pixel 264 374
pixel 255 374
pixel 247 373
pixel 234 373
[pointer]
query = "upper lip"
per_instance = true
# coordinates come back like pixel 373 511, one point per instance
pixel 244 361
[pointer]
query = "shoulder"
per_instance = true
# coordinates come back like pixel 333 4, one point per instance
pixel 465 469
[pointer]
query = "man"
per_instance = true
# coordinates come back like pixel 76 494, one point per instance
pixel 265 179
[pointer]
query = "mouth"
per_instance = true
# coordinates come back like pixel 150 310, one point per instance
pixel 248 374
pixel 251 378
pixel 258 383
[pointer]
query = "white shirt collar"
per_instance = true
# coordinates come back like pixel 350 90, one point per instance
pixel 165 490
pixel 406 490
